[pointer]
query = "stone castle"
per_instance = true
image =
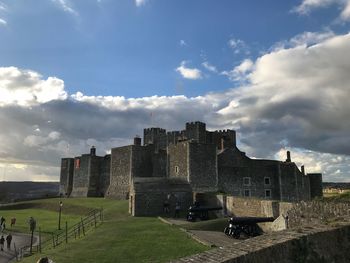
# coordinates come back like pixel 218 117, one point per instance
pixel 176 165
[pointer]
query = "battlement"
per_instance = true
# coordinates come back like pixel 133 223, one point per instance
pixel 224 131
pixel 155 136
pixel 195 124
pixel 155 129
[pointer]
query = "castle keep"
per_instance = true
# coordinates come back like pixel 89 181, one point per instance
pixel 174 165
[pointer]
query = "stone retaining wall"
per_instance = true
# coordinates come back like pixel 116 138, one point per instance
pixel 317 212
pixel 304 245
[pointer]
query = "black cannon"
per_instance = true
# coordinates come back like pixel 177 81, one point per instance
pixel 245 225
pixel 201 212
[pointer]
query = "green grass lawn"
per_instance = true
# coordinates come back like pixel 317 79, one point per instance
pixel 121 238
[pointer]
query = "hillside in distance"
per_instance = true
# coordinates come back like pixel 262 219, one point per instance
pixel 17 191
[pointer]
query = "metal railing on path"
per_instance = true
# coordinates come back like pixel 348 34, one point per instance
pixel 64 236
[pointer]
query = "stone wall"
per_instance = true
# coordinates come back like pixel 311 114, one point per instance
pixel 81 176
pixel 120 175
pixel 196 131
pixel 94 176
pixel 244 206
pixel 317 212
pixel 315 185
pixel 141 161
pixel 178 160
pixel 66 176
pixel 203 167
pixel 304 245
pixel 105 174
pixel 147 195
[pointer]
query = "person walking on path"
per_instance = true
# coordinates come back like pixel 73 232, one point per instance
pixel 8 241
pixel 2 242
pixel 13 221
pixel 166 206
pixel 177 210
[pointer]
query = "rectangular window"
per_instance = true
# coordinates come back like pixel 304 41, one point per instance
pixel 77 163
pixel 267 193
pixel 246 181
pixel 246 193
pixel 267 181
pixel 177 169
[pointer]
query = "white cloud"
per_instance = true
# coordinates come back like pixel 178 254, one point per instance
pixel 240 72
pixel 310 38
pixel 3 7
pixel 65 5
pixel 26 87
pixel 308 5
pixel 209 67
pixel 345 14
pixel 238 46
pixel 295 97
pixel 38 141
pixel 189 73
pixel 183 43
pixel 139 3
pixel 3 22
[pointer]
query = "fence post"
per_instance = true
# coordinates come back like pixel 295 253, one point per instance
pixel 82 225
pixel 53 240
pixel 39 240
pixel 95 219
pixel 66 232
pixel 14 245
pixel 31 241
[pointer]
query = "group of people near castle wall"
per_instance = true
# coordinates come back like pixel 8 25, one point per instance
pixel 166 208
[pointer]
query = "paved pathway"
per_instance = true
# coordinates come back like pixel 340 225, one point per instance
pixel 20 240
pixel 211 238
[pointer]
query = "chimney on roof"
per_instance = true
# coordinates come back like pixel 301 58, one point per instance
pixel 93 151
pixel 303 169
pixel 288 160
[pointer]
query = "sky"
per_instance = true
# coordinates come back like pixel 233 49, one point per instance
pixel 78 73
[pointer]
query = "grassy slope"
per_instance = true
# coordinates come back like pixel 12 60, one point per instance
pixel 120 238
pixel 343 197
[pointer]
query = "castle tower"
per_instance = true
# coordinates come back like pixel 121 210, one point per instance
pixel 196 131
pixel 93 151
pixel 155 136
pixel 137 141
pixel 222 138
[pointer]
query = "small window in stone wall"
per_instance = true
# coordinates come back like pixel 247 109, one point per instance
pixel 246 192
pixel 177 169
pixel 77 163
pixel 267 193
pixel 267 181
pixel 246 181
